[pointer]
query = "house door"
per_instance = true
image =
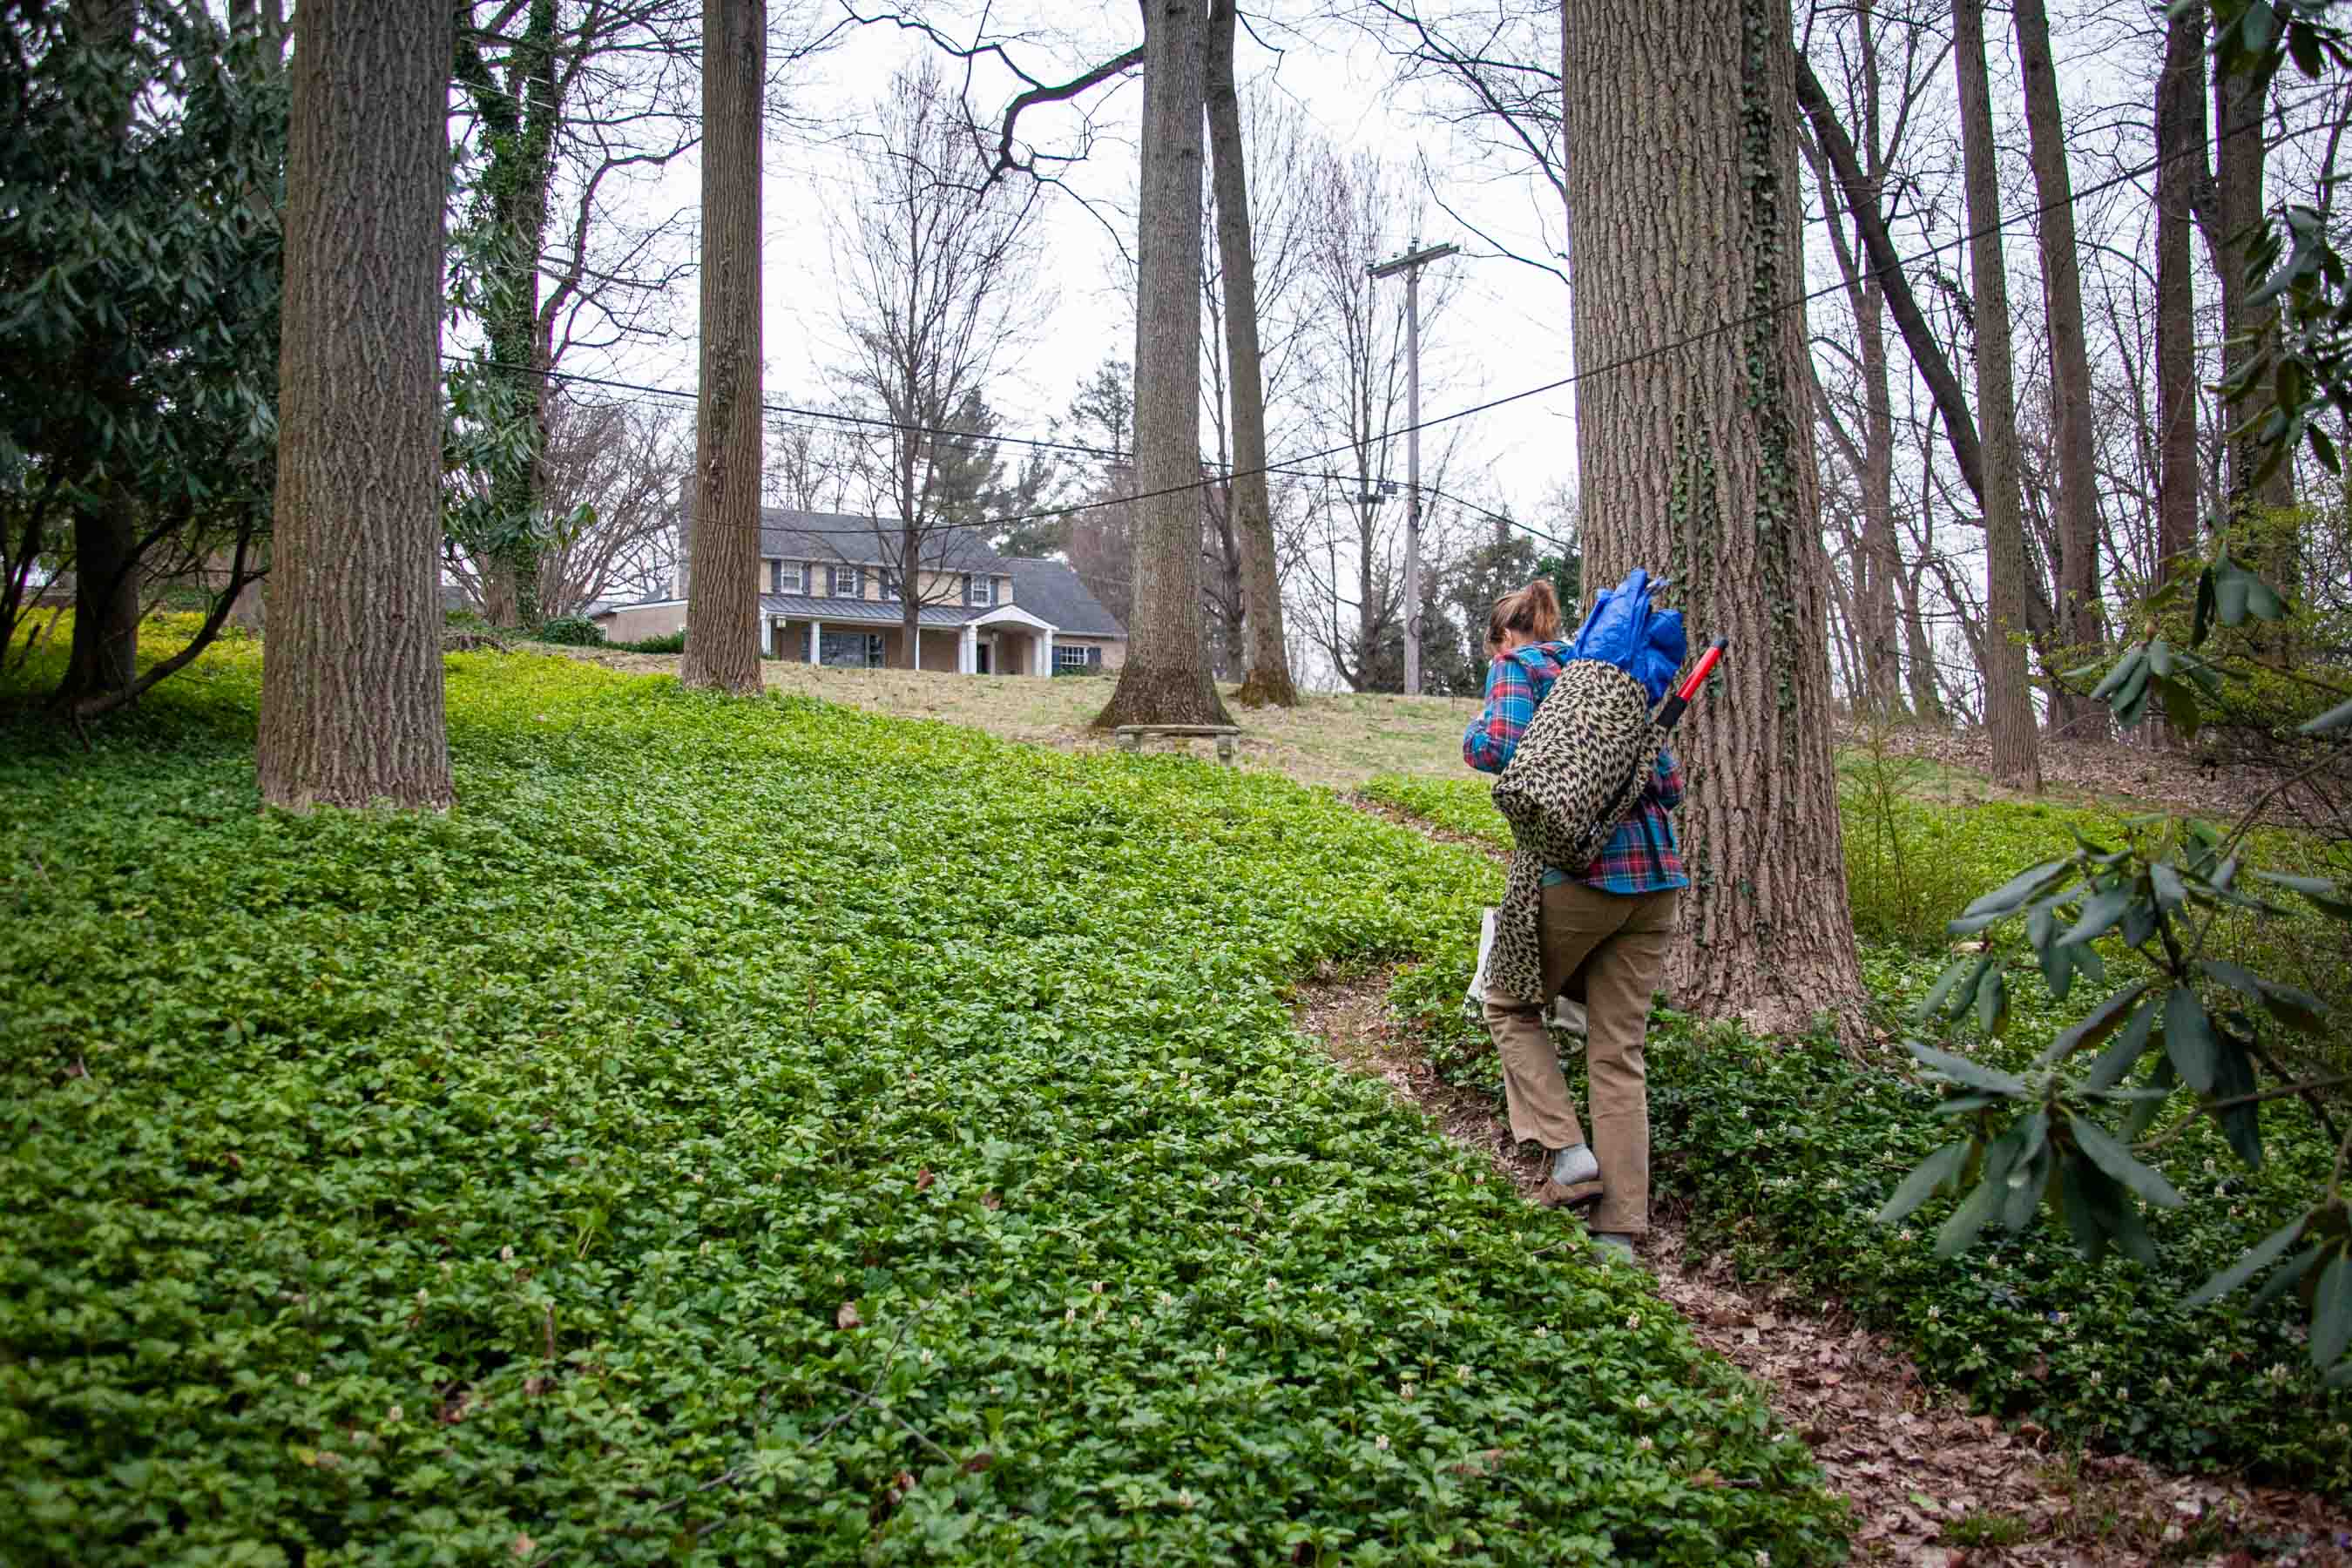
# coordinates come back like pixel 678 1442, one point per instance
pixel 986 648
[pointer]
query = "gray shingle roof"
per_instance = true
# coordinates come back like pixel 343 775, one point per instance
pixel 1051 591
pixel 864 612
pixel 825 536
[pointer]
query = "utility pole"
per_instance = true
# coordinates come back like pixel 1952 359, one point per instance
pixel 1410 264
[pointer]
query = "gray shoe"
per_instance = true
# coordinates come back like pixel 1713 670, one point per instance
pixel 1614 1247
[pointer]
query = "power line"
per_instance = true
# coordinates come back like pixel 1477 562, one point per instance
pixel 1623 362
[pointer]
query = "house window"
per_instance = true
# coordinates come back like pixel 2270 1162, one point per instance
pixel 979 590
pixel 1066 656
pixel 789 579
pixel 845 583
pixel 851 650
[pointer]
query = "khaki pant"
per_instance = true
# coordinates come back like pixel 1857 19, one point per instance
pixel 1618 944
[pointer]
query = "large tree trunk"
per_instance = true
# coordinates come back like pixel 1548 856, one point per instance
pixel 1166 677
pixel 722 618
pixel 351 690
pixel 1267 656
pixel 2082 618
pixel 2180 144
pixel 1680 122
pixel 2009 698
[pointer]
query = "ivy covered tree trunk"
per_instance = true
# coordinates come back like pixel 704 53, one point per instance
pixel 2009 695
pixel 520 117
pixel 1165 679
pixel 723 613
pixel 2082 616
pixel 1264 654
pixel 1680 122
pixel 351 691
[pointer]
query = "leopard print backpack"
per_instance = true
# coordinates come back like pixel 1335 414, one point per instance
pixel 1577 772
pixel 1575 777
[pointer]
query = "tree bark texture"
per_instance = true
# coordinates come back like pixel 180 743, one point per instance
pixel 1266 655
pixel 722 618
pixel 522 161
pixel 2180 146
pixel 1680 125
pixel 2008 699
pixel 2239 165
pixel 2082 616
pixel 1166 677
pixel 351 706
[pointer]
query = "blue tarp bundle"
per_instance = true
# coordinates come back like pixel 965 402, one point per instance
pixel 1624 630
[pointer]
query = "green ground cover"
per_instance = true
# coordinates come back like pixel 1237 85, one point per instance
pixel 763 1131
pixel 1784 1152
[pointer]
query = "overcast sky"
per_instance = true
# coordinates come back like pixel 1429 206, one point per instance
pixel 1506 329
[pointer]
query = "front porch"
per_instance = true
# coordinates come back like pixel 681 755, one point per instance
pixel 1004 641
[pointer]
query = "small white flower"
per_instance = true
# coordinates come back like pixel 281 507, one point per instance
pixel 1778 1436
pixel 1405 1390
pixel 1934 1313
pixel 1069 1315
pixel 1763 1560
pixel 1461 1374
pixel 1184 1497
pixel 1632 1319
pixel 391 1416
pixel 1646 1445
pixel 1099 1285
pixel 1381 1442
pixel 505 1255
pixel 927 1358
pixel 1220 1352
pixel 1541 1331
pixel 2209 1166
pixel 422 1297
pixel 1904 1234
pixel 301 1380
pixel 1641 1402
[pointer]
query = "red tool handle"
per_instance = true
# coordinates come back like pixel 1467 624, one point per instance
pixel 1671 711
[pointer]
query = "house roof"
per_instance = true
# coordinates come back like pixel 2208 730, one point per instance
pixel 1052 591
pixel 845 536
pixel 861 612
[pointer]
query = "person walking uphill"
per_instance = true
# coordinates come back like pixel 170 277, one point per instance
pixel 1610 922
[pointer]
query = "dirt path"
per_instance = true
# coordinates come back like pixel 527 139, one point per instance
pixel 1931 1483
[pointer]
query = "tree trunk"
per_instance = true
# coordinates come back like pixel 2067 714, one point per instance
pixel 1680 122
pixel 104 658
pixel 2082 616
pixel 519 174
pixel 2239 160
pixel 351 691
pixel 1265 658
pixel 1166 677
pixel 722 618
pixel 2009 695
pixel 2180 143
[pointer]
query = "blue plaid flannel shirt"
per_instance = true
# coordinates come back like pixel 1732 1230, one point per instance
pixel 1642 856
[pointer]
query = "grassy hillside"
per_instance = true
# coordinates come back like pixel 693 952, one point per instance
pixel 764 1131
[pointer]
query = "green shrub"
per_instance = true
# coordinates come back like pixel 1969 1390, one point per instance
pixel 571 631
pixel 760 1131
pixel 673 642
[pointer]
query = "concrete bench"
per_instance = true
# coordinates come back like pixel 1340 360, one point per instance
pixel 1132 736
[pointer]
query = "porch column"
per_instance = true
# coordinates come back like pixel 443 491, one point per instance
pixel 816 629
pixel 918 659
pixel 967 649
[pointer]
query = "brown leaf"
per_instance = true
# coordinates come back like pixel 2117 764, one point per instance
pixel 524 1545
pixel 990 1201
pixel 923 1180
pixel 846 1316
pixel 979 1462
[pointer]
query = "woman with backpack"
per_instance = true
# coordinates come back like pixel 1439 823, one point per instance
pixel 1609 922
